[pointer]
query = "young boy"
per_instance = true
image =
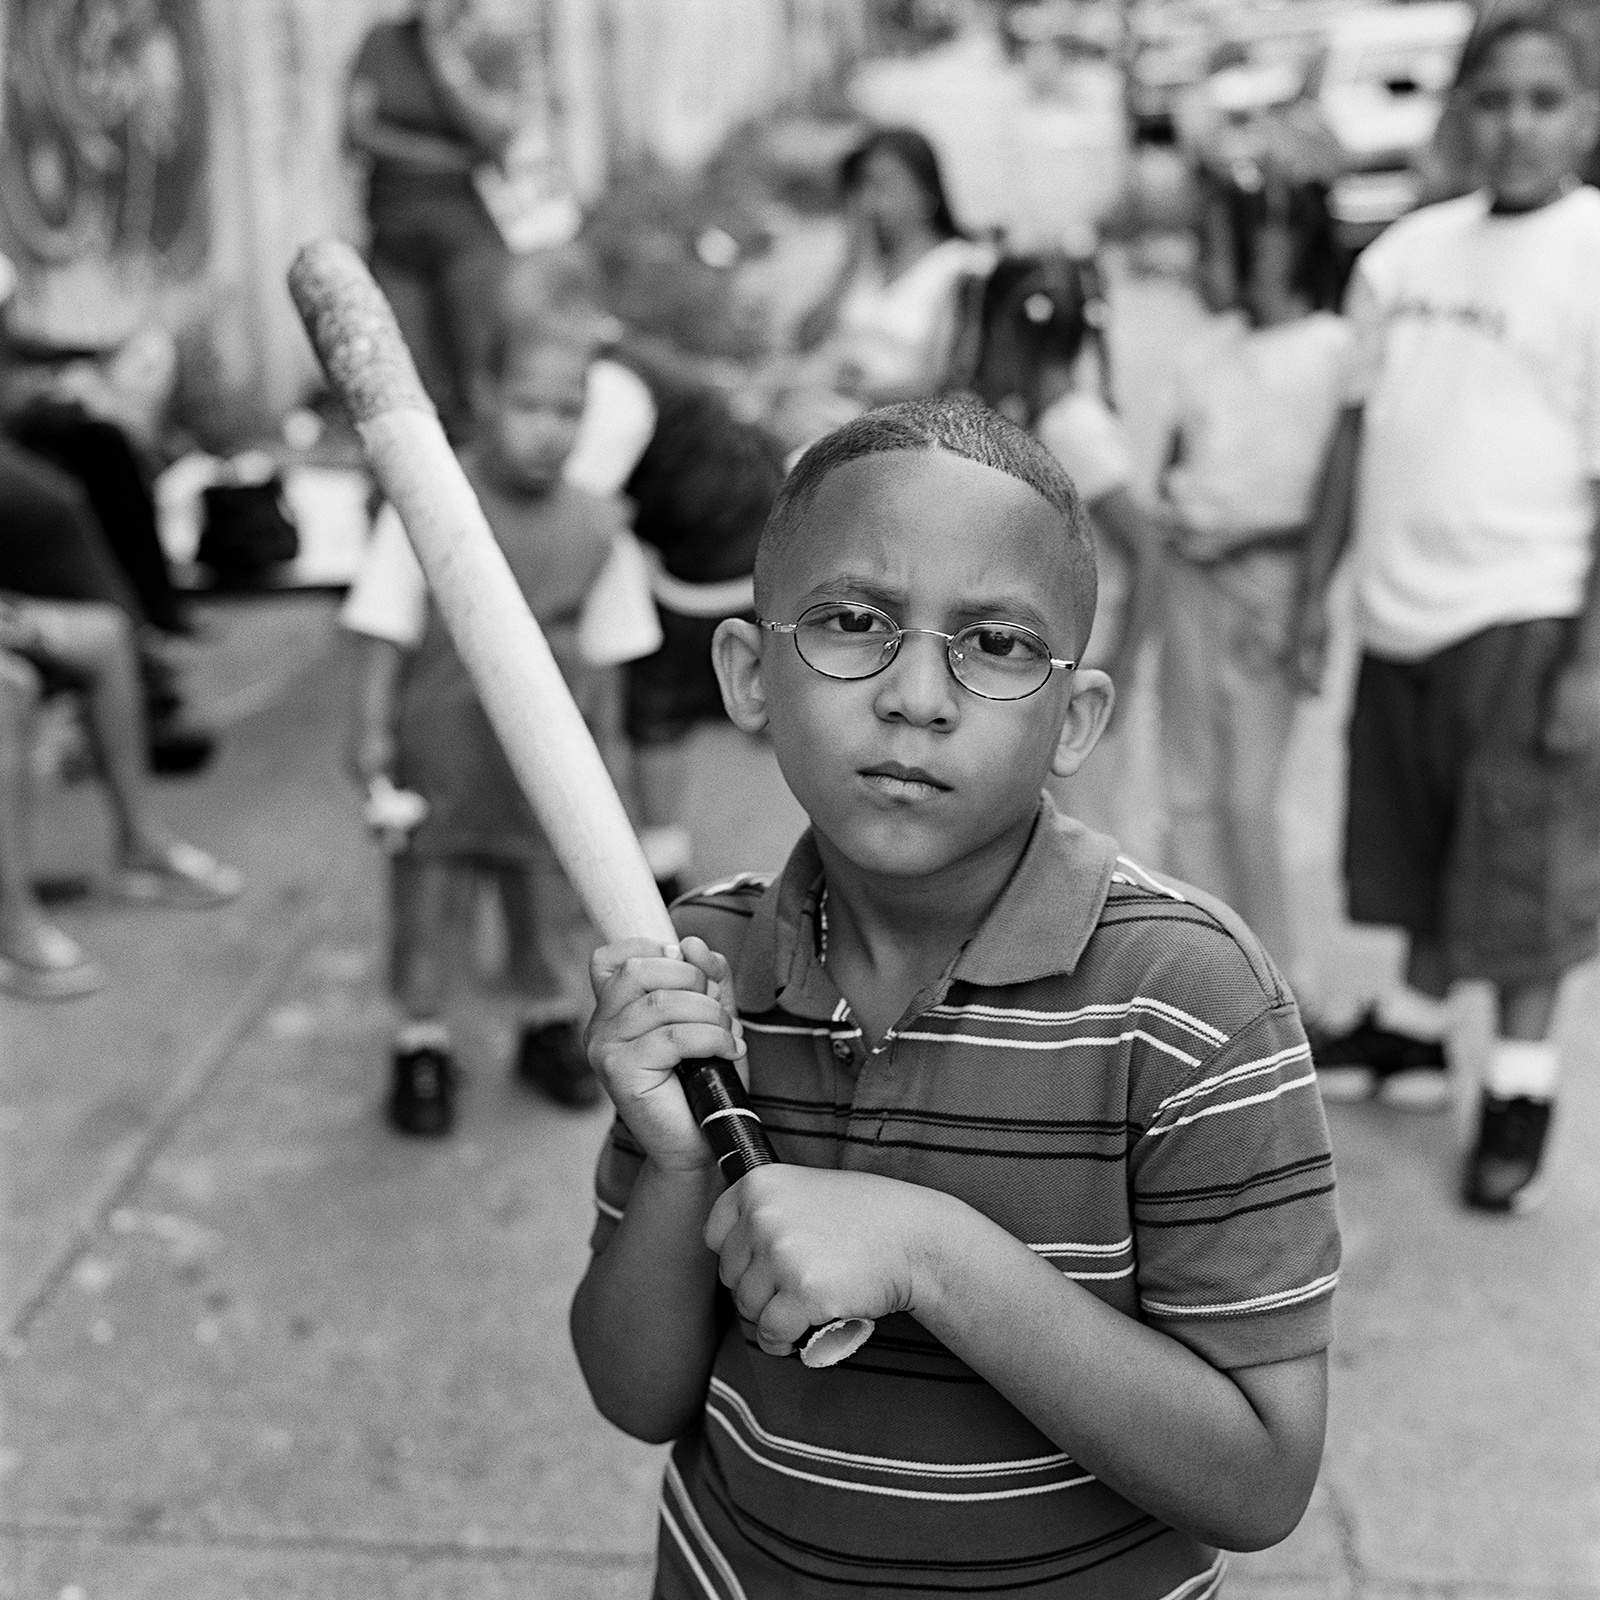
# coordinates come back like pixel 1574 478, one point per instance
pixel 1470 459
pixel 1051 1122
pixel 417 720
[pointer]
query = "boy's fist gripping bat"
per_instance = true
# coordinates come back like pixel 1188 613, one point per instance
pixel 538 724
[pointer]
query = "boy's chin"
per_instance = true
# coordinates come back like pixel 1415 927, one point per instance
pixel 900 847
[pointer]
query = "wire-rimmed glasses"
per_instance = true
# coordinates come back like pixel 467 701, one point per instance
pixel 994 660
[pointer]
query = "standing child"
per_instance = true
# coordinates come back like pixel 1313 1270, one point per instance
pixel 1055 306
pixel 1469 463
pixel 1051 1122
pixel 418 722
pixel 1257 401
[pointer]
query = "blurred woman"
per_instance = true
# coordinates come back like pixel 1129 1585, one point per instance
pixel 884 329
pixel 427 118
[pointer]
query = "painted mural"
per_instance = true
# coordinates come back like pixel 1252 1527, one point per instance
pixel 103 159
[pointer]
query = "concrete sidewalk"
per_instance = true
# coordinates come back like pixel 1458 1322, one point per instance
pixel 260 1347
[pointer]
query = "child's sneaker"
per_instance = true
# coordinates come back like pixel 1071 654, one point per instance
pixel 422 1096
pixel 551 1059
pixel 1503 1171
pixel 1369 1061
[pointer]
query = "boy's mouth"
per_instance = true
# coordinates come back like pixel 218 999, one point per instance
pixel 897 782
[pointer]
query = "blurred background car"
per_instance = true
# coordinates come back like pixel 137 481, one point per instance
pixel 1380 84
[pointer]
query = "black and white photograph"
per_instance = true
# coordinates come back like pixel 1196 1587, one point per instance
pixel 799 799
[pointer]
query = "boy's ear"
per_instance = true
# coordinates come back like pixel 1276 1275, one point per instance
pixel 736 655
pixel 1092 698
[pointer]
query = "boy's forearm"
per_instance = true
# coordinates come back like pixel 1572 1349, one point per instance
pixel 644 1318
pixel 1143 1413
pixel 376 684
pixel 1334 518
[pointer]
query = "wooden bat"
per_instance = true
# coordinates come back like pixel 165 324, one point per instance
pixel 518 682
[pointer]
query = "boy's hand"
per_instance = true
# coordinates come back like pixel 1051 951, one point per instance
pixel 1573 726
pixel 657 1005
pixel 801 1246
pixel 1308 646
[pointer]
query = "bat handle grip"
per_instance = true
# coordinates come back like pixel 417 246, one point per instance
pixel 733 1130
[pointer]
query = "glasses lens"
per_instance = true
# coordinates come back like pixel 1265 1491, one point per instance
pixel 1000 661
pixel 843 641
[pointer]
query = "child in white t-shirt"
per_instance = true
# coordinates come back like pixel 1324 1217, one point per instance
pixel 1468 466
pixel 1257 398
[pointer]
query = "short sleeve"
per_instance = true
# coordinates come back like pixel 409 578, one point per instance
pixel 616 1172
pixel 1364 313
pixel 1235 1227
pixel 1083 435
pixel 619 621
pixel 389 597
pixel 618 422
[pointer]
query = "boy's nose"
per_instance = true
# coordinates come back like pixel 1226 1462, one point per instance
pixel 918 686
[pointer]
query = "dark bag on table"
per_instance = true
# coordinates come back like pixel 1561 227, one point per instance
pixel 247 531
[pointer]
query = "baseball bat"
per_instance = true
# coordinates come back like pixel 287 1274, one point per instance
pixel 518 682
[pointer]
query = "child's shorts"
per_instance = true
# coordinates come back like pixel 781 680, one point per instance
pixel 1460 828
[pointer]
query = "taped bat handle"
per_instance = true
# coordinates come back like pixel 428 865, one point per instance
pixel 733 1130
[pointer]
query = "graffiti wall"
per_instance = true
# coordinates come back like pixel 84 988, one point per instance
pixel 103 160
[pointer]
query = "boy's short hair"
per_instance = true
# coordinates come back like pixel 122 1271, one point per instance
pixel 962 426
pixel 1553 21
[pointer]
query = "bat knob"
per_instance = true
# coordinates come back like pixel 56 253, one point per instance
pixel 830 1344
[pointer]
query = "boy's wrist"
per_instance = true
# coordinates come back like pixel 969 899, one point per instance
pixel 950 1237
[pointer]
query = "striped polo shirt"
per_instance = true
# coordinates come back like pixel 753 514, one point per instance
pixel 1111 1070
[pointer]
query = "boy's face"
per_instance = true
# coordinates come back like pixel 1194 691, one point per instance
pixel 908 773
pixel 1530 121
pixel 534 415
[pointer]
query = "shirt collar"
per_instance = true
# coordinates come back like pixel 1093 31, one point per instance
pixel 1038 928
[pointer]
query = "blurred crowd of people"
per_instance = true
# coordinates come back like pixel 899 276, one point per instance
pixel 1440 410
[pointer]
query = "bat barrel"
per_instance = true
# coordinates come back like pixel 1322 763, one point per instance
pixel 551 750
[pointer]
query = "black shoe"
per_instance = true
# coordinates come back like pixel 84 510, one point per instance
pixel 551 1060
pixel 1369 1059
pixel 422 1097
pixel 177 749
pixel 1503 1170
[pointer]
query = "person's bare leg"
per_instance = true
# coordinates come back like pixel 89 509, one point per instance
pixel 1527 1010
pixel 94 643
pixel 1259 723
pixel 1428 968
pixel 21 915
pixel 662 775
pixel 38 960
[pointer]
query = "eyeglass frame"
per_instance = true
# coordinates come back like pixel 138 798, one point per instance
pixel 793 630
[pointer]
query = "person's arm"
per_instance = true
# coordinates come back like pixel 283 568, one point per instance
pixel 486 115
pixel 644 1319
pixel 375 683
pixel 1573 727
pixel 1219 1431
pixel 817 323
pixel 1137 533
pixel 1326 541
pixel 1229 1457
pixel 365 131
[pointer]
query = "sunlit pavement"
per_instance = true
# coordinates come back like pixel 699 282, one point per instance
pixel 259 1346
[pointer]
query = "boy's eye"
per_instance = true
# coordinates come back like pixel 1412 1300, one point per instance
pixel 994 641
pixel 850 619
